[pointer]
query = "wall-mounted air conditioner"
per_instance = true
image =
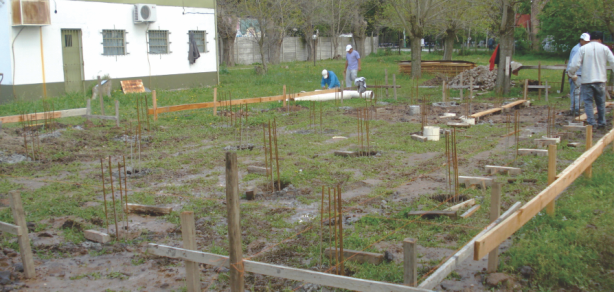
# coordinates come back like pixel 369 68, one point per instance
pixel 31 12
pixel 145 13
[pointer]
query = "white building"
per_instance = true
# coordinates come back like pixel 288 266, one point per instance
pixel 52 47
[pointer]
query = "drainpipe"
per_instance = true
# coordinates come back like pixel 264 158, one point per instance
pixel 217 53
pixel 43 63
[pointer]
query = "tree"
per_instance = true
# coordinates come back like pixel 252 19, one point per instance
pixel 503 17
pixel 358 25
pixel 227 20
pixel 414 16
pixel 537 6
pixel 312 14
pixel 564 20
pixel 337 19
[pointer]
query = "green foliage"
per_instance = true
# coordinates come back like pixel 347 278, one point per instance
pixel 523 44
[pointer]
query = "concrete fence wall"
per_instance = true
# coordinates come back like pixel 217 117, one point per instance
pixel 294 49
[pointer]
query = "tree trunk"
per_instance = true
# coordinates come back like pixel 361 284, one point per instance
pixel 536 8
pixel 449 44
pixel 276 51
pixel 416 57
pixel 506 47
pixel 228 56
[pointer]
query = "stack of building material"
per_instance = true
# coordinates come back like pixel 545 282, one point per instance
pixel 449 68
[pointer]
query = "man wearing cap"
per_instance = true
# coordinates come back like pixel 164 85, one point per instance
pixel 352 64
pixel 329 78
pixel 593 58
pixel 574 91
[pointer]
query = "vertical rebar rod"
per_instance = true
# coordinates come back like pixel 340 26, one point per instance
pixel 336 235
pixel 340 205
pixel 321 224
pixel 125 191
pixel 113 198
pixel 271 157
pixel 121 191
pixel 330 231
pixel 104 196
pixel 266 163
pixel 277 156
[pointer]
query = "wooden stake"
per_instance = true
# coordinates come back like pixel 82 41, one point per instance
pixel 394 83
pixel 495 212
pixel 551 174
pixel 113 197
pixel 589 143
pixel 154 100
pixel 188 232
pixel 237 280
pixel 276 155
pixel 410 262
pixel 19 216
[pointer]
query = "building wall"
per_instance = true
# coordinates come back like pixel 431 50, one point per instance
pixel 294 49
pixel 92 17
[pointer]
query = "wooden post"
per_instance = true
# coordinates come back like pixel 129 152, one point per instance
pixel 237 280
pixel 100 96
pixel 589 144
pixel 495 212
pixel 215 101
pixel 551 174
pixel 188 232
pixel 394 83
pixel 546 90
pixel 539 80
pixel 526 89
pixel 410 262
pixel 155 104
pixel 117 113
pixel 19 215
pixel 386 80
pixel 284 95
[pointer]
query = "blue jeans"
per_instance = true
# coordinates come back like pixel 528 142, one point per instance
pixel 595 91
pixel 574 95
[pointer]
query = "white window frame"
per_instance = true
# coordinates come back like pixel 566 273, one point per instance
pixel 124 43
pixel 168 43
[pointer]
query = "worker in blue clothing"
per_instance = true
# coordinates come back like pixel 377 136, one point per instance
pixel 329 78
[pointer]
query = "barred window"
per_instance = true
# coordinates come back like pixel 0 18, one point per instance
pixel 113 42
pixel 158 41
pixel 199 37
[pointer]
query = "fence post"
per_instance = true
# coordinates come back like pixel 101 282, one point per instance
pixel 237 280
pixel 101 97
pixel 495 212
pixel 154 98
pixel 117 113
pixel 589 144
pixel 394 84
pixel 410 262
pixel 188 232
pixel 551 174
pixel 19 215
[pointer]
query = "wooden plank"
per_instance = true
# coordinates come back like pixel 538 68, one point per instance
pixel 492 169
pixel 360 257
pixel 470 212
pixel 33 117
pixel 72 112
pixel 515 103
pixel 319 278
pixel 535 152
pixel 257 170
pixel 237 279
pixel 551 174
pixel 188 234
pixel 539 87
pixel 132 86
pixel 148 210
pixel 193 106
pixel 485 113
pixel 474 180
pixel 19 215
pixel 10 228
pixel 496 236
pixel 96 236
pixel 100 117
pixel 433 214
pixel 462 205
pixel 455 260
pixel 588 145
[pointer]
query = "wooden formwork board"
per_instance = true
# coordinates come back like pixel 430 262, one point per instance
pixel 498 109
pixel 500 233
pixel 44 115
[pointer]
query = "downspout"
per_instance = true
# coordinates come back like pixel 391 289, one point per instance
pixel 43 63
pixel 217 39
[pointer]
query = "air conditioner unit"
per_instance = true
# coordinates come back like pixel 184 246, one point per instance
pixel 145 13
pixel 30 12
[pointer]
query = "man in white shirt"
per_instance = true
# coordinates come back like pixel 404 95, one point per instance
pixel 574 91
pixel 593 58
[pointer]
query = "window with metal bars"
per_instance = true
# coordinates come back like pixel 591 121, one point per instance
pixel 200 38
pixel 113 42
pixel 158 41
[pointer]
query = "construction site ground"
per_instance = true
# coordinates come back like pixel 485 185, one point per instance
pixel 181 165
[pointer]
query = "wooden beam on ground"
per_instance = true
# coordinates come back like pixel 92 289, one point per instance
pixel 257 170
pixel 148 210
pixel 455 260
pixel 535 152
pixel 462 205
pixel 41 116
pixel 492 169
pixel 496 236
pixel 474 180
pixel 96 236
pixel 10 228
pixel 470 212
pixel 515 103
pixel 433 214
pixel 360 257
pixel 319 278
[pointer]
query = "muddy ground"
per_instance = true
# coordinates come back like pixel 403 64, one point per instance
pixel 62 265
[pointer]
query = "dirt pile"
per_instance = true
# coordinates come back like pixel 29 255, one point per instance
pixel 482 77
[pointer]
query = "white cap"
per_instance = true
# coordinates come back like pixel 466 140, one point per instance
pixel 348 48
pixel 325 73
pixel 585 37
